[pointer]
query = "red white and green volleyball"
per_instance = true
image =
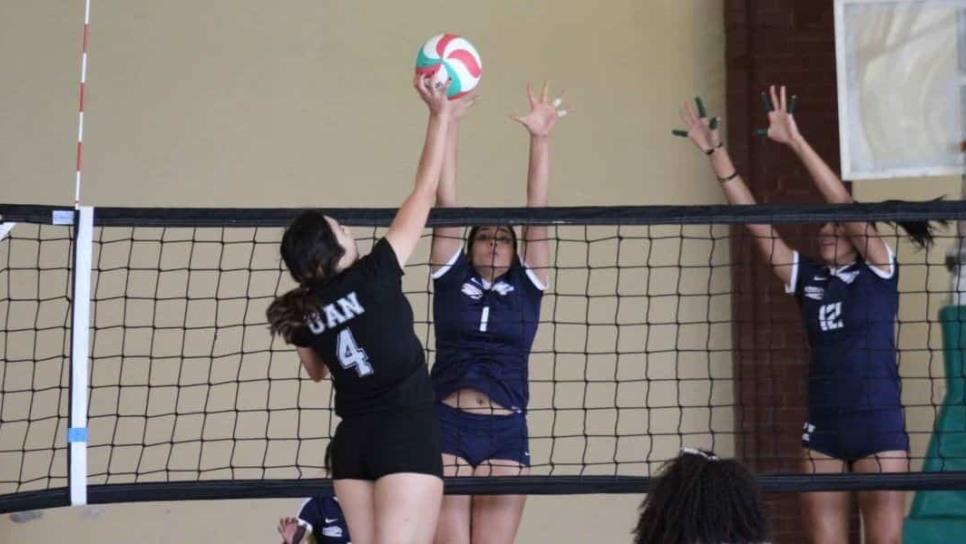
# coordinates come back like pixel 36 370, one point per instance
pixel 449 56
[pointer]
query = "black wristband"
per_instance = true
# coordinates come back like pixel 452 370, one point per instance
pixel 711 151
pixel 729 178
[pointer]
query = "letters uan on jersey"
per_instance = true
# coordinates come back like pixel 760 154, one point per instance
pixel 337 313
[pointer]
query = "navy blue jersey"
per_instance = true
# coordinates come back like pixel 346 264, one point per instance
pixel 325 517
pixel 850 317
pixel 484 331
pixel 364 333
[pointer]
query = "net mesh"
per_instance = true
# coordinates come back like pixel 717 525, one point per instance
pixel 641 350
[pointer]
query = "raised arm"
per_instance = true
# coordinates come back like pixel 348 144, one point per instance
pixel 783 129
pixel 446 240
pixel 407 226
pixel 704 134
pixel 539 123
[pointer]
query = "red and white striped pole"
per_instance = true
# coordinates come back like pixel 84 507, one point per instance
pixel 80 115
pixel 80 312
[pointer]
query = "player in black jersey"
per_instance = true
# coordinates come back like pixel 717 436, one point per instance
pixel 349 317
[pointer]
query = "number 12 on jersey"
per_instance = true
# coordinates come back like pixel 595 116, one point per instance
pixel 830 316
pixel 351 355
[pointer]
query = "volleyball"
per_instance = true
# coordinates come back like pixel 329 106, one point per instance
pixel 448 56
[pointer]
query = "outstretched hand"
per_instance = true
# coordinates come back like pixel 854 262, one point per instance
pixel 543 113
pixel 434 94
pixel 781 117
pixel 462 104
pixel 291 531
pixel 701 130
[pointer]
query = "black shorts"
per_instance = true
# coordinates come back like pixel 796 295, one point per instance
pixel 370 446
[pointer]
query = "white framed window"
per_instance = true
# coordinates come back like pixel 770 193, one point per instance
pixel 901 67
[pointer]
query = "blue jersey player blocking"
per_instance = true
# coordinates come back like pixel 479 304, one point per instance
pixel 320 521
pixel 486 308
pixel 849 299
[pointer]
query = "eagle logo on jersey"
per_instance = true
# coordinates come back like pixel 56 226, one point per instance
pixel 474 289
pixel 847 277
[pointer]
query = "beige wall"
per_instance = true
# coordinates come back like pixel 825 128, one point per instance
pixel 305 103
pixel 233 103
pixel 244 103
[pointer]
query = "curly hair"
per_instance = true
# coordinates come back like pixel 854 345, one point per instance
pixel 700 499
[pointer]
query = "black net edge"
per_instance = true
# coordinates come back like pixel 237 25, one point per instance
pixel 34 500
pixel 569 215
pixel 509 485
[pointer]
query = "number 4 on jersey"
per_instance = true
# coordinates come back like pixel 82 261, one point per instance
pixel 351 355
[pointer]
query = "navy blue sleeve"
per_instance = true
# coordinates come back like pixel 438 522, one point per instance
pixel 453 272
pixel 333 529
pixel 311 513
pixel 804 269
pixel 526 278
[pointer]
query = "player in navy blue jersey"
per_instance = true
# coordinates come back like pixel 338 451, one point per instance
pixel 319 521
pixel 849 300
pixel 349 317
pixel 486 308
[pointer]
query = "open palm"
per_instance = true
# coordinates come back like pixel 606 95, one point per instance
pixel 543 114
pixel 781 122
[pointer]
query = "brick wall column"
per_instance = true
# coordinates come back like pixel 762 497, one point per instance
pixel 774 42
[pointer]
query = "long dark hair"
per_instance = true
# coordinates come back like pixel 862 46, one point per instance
pixel 311 252
pixel 920 233
pixel 700 499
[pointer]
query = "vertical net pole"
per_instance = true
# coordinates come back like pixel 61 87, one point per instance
pixel 79 362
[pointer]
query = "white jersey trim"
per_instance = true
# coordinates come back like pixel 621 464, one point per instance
pixel 793 278
pixel 534 278
pixel 892 266
pixel 449 264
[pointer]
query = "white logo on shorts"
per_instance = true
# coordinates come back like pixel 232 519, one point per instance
pixel 334 532
pixel 808 429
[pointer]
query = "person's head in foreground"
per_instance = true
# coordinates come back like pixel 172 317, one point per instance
pixel 701 499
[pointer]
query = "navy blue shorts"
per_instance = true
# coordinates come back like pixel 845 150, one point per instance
pixel 476 438
pixel 851 437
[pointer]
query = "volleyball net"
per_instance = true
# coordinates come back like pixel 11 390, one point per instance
pixel 137 363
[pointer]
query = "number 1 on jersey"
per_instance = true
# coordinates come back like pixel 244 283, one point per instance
pixel 351 355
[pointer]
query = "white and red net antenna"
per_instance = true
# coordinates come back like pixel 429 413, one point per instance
pixel 80 114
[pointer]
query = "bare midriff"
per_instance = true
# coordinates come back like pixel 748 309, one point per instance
pixel 477 402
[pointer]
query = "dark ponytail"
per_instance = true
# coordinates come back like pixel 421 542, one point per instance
pixel 920 233
pixel 311 253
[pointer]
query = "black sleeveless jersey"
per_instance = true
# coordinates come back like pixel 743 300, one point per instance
pixel 363 331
